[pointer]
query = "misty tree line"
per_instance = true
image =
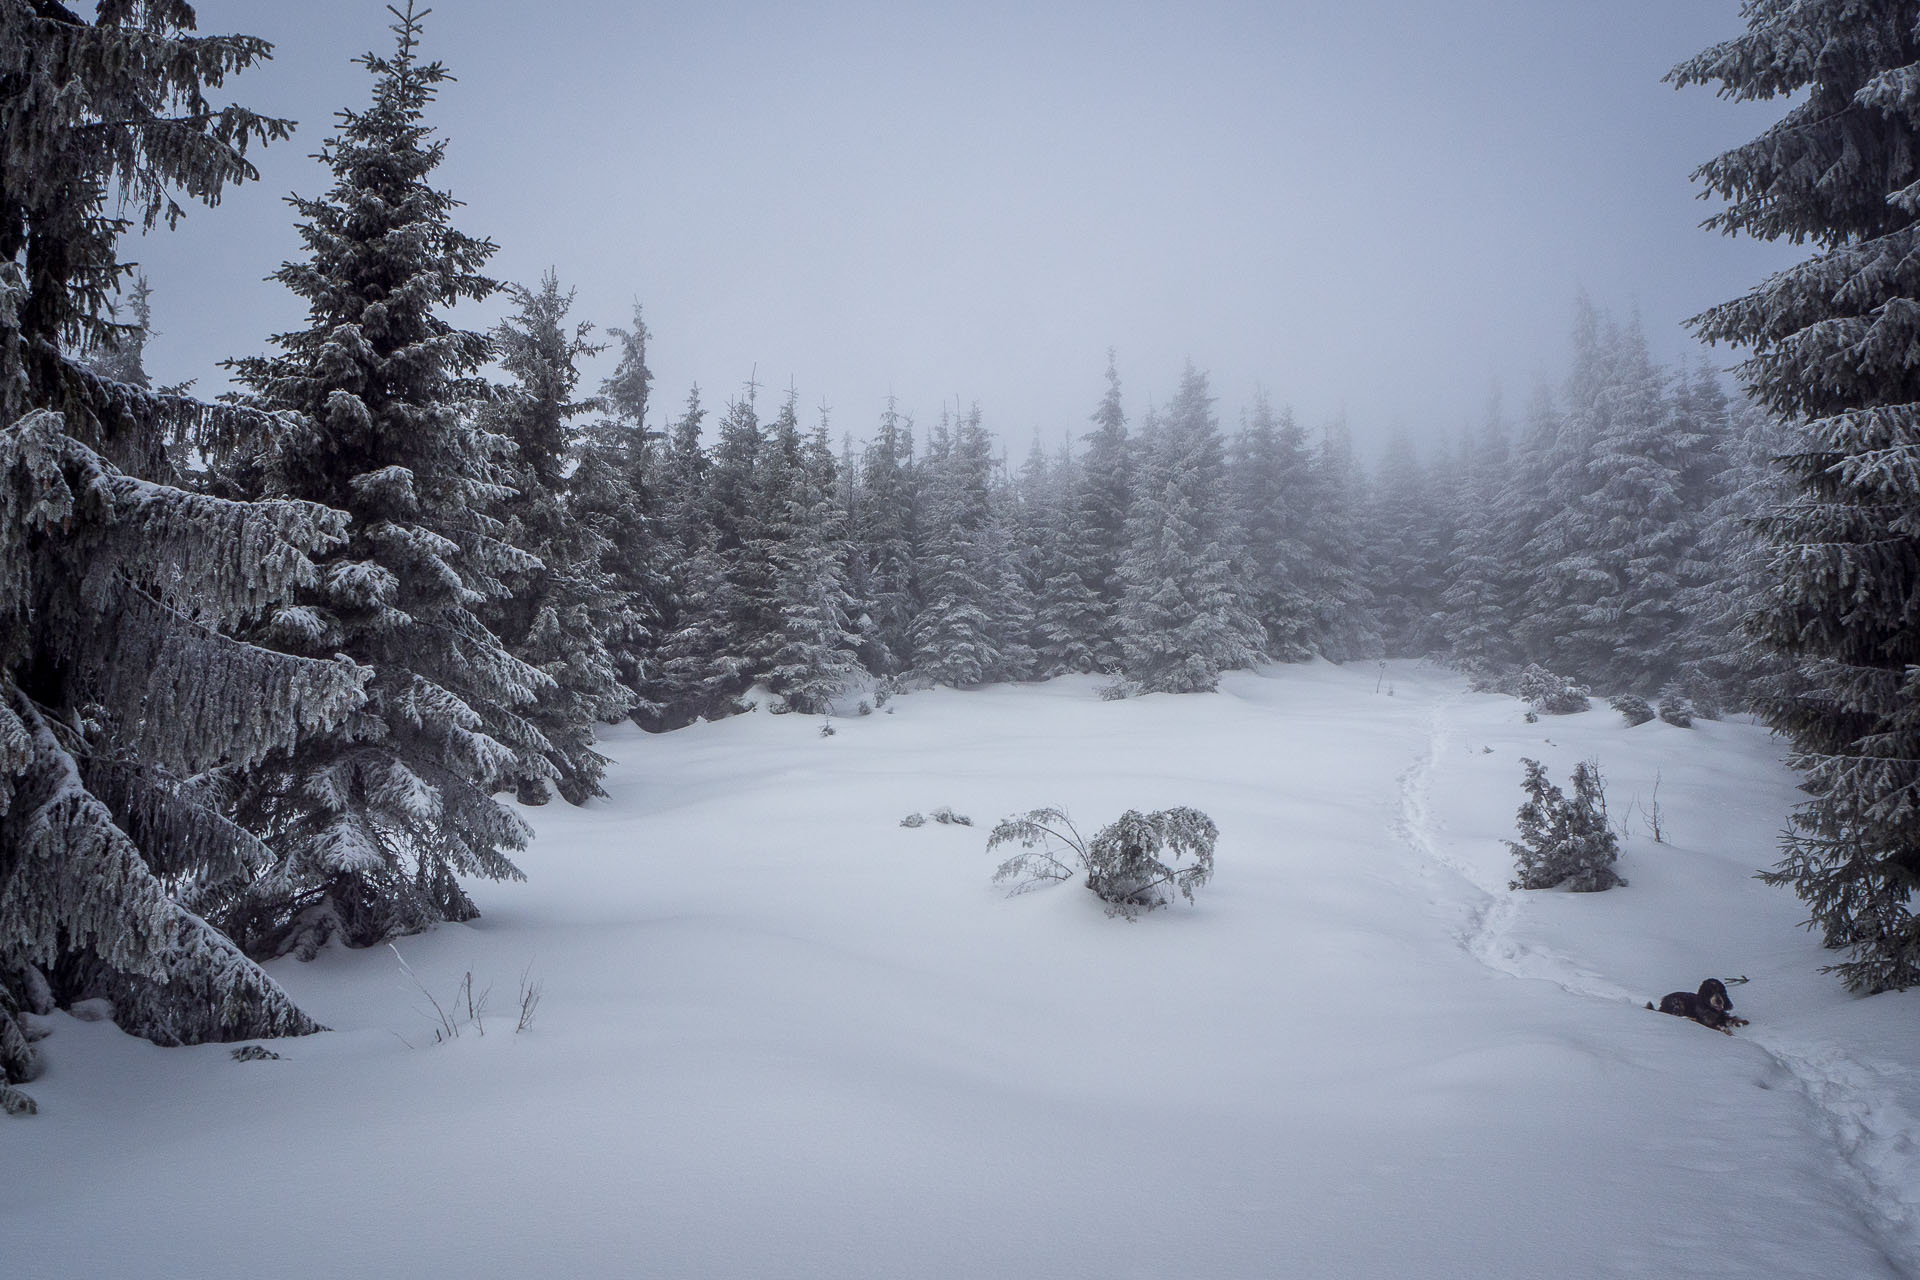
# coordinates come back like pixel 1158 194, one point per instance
pixel 1606 538
pixel 266 664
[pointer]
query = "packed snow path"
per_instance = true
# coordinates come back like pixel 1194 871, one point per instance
pixel 782 1035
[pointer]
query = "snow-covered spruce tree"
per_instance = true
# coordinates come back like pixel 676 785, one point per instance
pixel 958 636
pixel 1728 575
pixel 374 824
pixel 745 486
pixel 1409 539
pixel 1184 618
pixel 1269 476
pixel 1028 500
pixel 1628 482
pixel 123 687
pixel 1343 603
pixel 885 529
pixel 1562 622
pixel 1068 620
pixel 1831 343
pixel 615 493
pixel 557 615
pixel 1100 522
pixel 810 658
pixel 699 669
pixel 1015 609
pixel 1565 840
pixel 1475 603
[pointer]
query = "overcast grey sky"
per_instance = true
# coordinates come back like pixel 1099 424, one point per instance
pixel 1370 207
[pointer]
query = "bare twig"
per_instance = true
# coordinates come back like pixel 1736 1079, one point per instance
pixel 529 999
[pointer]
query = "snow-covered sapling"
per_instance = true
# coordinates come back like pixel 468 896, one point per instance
pixel 1565 841
pixel 1134 864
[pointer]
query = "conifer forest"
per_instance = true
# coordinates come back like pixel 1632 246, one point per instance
pixel 295 668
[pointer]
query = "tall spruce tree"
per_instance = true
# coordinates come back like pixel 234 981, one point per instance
pixel 808 657
pixel 1728 574
pixel 1068 621
pixel 1410 539
pixel 616 492
pixel 885 528
pixel 1831 342
pixel 1475 602
pixel 958 637
pixel 1343 603
pixel 555 616
pixel 1184 617
pixel 124 688
pixel 1269 478
pixel 699 668
pixel 1100 524
pixel 375 823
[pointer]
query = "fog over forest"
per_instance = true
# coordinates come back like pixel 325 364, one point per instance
pixel 1378 210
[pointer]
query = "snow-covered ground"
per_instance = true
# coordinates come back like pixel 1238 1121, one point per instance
pixel 781 1035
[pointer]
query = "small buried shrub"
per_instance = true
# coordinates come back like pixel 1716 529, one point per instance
pixel 1550 694
pixel 1134 864
pixel 914 820
pixel 1565 841
pixel 950 818
pixel 254 1053
pixel 1633 707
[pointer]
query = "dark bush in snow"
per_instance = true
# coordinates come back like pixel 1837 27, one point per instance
pixel 1633 707
pixel 950 818
pixel 1123 862
pixel 1565 841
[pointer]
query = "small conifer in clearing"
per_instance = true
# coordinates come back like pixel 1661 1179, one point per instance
pixel 1565 841
pixel 1123 862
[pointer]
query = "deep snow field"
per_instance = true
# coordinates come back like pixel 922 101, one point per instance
pixel 782 1036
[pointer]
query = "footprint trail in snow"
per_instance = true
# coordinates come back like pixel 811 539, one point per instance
pixel 1875 1139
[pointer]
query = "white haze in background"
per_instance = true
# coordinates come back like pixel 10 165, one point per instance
pixel 1376 209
